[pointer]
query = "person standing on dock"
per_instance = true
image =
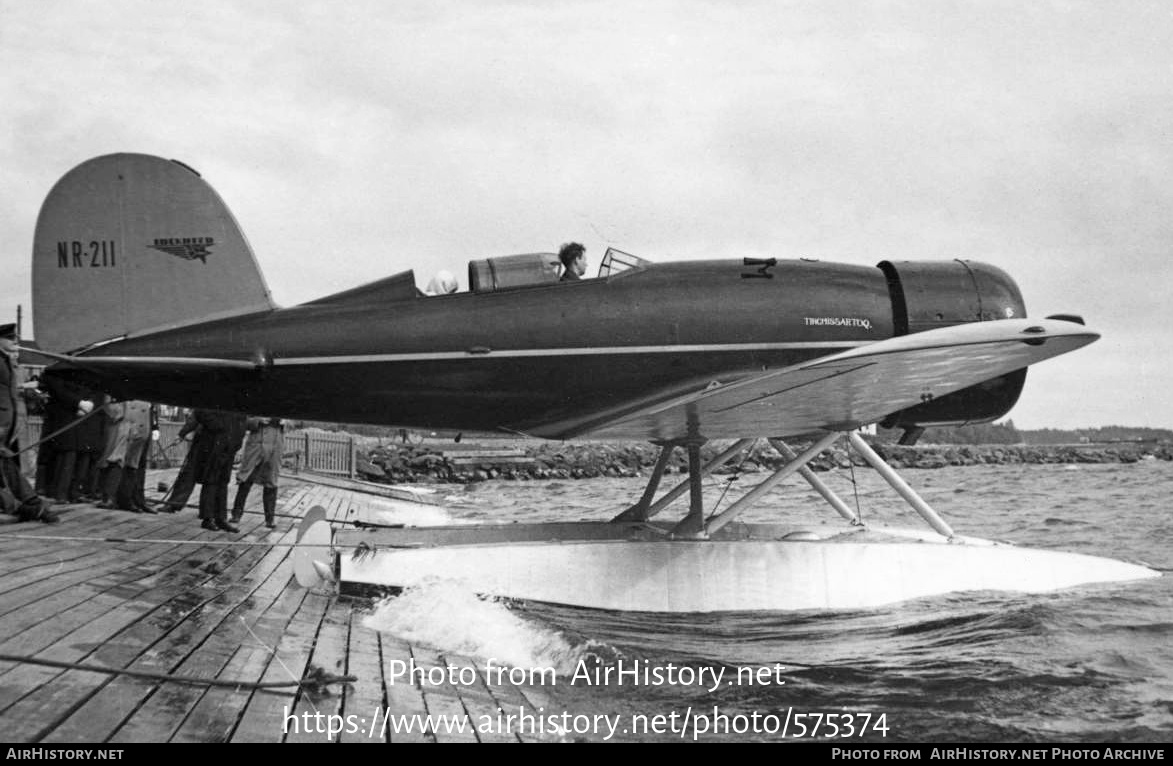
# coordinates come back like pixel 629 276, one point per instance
pixel 140 420
pixel 185 480
pixel 68 410
pixel 261 463
pixel 214 447
pixel 113 453
pixel 18 497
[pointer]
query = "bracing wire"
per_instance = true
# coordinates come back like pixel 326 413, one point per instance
pixel 734 476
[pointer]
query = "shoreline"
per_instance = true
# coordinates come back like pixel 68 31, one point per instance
pixel 523 460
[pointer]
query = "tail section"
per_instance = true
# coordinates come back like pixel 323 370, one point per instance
pixel 129 244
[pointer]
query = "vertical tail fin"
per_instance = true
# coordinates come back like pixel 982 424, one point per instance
pixel 128 244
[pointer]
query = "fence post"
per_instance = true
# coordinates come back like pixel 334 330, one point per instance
pixel 353 457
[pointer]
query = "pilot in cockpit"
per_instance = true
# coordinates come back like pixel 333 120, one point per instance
pixel 442 284
pixel 573 257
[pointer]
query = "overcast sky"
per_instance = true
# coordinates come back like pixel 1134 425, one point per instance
pixel 353 140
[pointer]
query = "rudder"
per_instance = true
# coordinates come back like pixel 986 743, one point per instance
pixel 129 244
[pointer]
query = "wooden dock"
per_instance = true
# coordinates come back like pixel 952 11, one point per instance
pixel 158 594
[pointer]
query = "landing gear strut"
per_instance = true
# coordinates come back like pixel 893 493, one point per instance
pixel 695 526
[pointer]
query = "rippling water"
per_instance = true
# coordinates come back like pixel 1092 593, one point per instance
pixel 1092 664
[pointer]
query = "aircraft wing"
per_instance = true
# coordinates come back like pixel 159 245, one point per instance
pixel 841 391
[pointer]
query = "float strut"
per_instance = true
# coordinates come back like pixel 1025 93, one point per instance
pixel 639 511
pixel 693 525
pixel 828 494
pixel 683 486
pixel 898 484
pixel 748 498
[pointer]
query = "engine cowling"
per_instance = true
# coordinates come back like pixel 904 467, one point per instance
pixel 929 295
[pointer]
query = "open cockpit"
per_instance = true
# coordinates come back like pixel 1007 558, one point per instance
pixel 491 274
pixel 485 275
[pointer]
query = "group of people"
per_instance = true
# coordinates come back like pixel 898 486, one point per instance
pixel 96 450
pixel 93 449
pixel 89 449
pixel 216 438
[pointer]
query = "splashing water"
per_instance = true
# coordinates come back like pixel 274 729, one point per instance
pixel 446 615
pixel 393 512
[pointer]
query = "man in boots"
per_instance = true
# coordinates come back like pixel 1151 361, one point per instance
pixel 261 463
pixel 215 445
pixel 139 421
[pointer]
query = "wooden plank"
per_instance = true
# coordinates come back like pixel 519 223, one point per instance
pixel 82 607
pixel 73 602
pixel 536 697
pixel 473 454
pixel 328 652
pixel 404 698
pixel 112 572
pixel 107 709
pixel 214 717
pixel 396 492
pixel 67 688
pixel 206 636
pixel 264 716
pixel 367 697
pixel 480 702
pixel 496 462
pixel 229 613
pixel 160 715
pixel 48 564
pixel 443 701
pixel 84 521
pixel 121 635
pixel 477 447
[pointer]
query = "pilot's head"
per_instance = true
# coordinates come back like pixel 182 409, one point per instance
pixel 573 256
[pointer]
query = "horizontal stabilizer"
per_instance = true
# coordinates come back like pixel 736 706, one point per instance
pixel 137 365
pixel 183 381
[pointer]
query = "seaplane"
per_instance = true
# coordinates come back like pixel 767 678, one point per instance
pixel 145 287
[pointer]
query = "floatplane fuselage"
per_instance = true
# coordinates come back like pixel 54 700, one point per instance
pixel 175 311
pixel 558 359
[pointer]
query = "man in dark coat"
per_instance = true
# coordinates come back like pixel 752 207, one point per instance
pixel 69 403
pixel 92 446
pixel 26 505
pixel 185 480
pixel 215 445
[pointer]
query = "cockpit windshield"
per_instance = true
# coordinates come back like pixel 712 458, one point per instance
pixel 615 261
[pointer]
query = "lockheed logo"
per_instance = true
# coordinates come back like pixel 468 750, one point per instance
pixel 187 248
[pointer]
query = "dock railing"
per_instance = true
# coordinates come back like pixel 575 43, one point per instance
pixel 328 452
